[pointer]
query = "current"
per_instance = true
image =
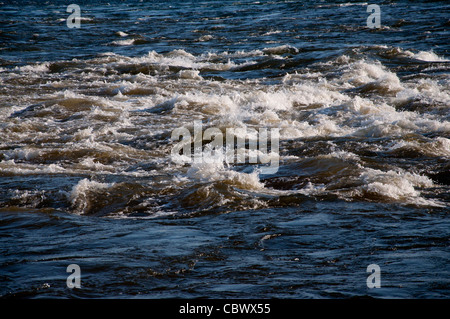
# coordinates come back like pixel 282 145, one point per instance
pixel 87 176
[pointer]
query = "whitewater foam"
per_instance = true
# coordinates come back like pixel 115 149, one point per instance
pixel 216 171
pixel 80 196
pixel 396 185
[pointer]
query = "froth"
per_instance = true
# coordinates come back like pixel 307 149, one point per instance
pixel 396 185
pixel 216 171
pixel 82 193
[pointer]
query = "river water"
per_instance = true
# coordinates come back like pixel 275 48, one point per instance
pixel 87 175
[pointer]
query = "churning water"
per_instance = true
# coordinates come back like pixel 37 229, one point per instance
pixel 87 177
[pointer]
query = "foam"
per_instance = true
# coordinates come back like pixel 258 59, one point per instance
pixel 26 153
pixel 79 196
pixel 182 58
pixel 429 56
pixel 343 155
pixel 11 167
pixel 123 42
pixel 190 74
pixel 105 134
pixel 361 73
pixel 367 108
pixel 396 185
pixel 273 32
pixel 216 171
pixel 323 126
pixel 90 163
pixel 34 68
pixel 349 4
pixel 428 91
pixel 439 146
pixel 282 49
pixel 386 186
pixel 205 38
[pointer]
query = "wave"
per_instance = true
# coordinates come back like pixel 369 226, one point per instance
pixel 110 118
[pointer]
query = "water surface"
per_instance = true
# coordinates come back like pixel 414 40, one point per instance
pixel 87 177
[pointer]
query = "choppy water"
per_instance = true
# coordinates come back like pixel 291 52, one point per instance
pixel 87 178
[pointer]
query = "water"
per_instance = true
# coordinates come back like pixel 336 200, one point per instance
pixel 87 176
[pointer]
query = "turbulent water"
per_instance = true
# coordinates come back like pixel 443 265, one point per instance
pixel 87 176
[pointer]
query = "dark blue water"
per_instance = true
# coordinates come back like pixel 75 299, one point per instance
pixel 87 178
